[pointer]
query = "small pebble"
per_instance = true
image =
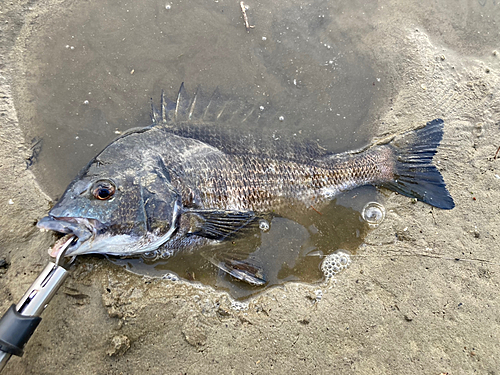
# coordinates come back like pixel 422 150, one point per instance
pixel 119 345
pixel 4 263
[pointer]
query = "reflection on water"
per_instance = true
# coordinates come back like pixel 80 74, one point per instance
pixel 94 67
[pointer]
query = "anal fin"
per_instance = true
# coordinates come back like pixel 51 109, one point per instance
pixel 247 270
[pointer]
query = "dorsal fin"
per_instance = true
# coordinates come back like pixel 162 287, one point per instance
pixel 166 106
pixel 198 106
pixel 214 107
pixel 156 116
pixel 214 120
pixel 160 116
pixel 181 104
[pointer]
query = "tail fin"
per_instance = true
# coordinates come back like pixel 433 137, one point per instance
pixel 415 175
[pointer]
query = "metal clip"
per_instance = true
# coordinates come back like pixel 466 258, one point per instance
pixel 46 285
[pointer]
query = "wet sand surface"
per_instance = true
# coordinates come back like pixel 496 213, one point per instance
pixel 421 293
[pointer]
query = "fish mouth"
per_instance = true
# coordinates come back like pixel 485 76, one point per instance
pixel 84 229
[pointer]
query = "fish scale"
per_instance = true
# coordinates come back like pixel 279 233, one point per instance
pixel 248 183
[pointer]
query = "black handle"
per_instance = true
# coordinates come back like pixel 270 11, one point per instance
pixel 16 330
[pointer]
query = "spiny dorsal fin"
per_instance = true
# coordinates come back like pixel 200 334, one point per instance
pixel 155 115
pixel 160 116
pixel 166 107
pixel 198 106
pixel 214 107
pixel 201 108
pixel 214 120
pixel 182 103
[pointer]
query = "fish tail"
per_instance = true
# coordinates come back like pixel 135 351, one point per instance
pixel 415 176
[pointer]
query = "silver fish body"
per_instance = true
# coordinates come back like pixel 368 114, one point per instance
pixel 179 184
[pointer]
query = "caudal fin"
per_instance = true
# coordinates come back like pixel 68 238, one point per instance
pixel 415 175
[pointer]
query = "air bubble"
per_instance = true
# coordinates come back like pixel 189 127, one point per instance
pixel 170 276
pixel 150 255
pixel 264 225
pixel 165 254
pixel 373 213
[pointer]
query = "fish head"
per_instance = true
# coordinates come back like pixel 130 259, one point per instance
pixel 117 208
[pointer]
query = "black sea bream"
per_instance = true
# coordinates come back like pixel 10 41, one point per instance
pixel 180 183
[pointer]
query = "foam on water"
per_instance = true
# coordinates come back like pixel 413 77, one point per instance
pixel 335 263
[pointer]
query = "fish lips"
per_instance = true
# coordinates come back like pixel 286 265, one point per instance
pixel 84 229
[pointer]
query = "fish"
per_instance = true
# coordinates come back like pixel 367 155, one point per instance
pixel 183 182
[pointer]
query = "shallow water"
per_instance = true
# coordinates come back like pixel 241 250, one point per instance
pixel 91 70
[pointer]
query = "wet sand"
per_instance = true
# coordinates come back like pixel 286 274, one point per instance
pixel 420 297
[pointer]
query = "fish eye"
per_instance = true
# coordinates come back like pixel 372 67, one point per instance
pixel 103 190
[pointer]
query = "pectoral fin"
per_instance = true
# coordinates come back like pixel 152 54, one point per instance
pixel 219 224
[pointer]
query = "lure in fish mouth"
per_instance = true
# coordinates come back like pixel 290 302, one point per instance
pixel 184 181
